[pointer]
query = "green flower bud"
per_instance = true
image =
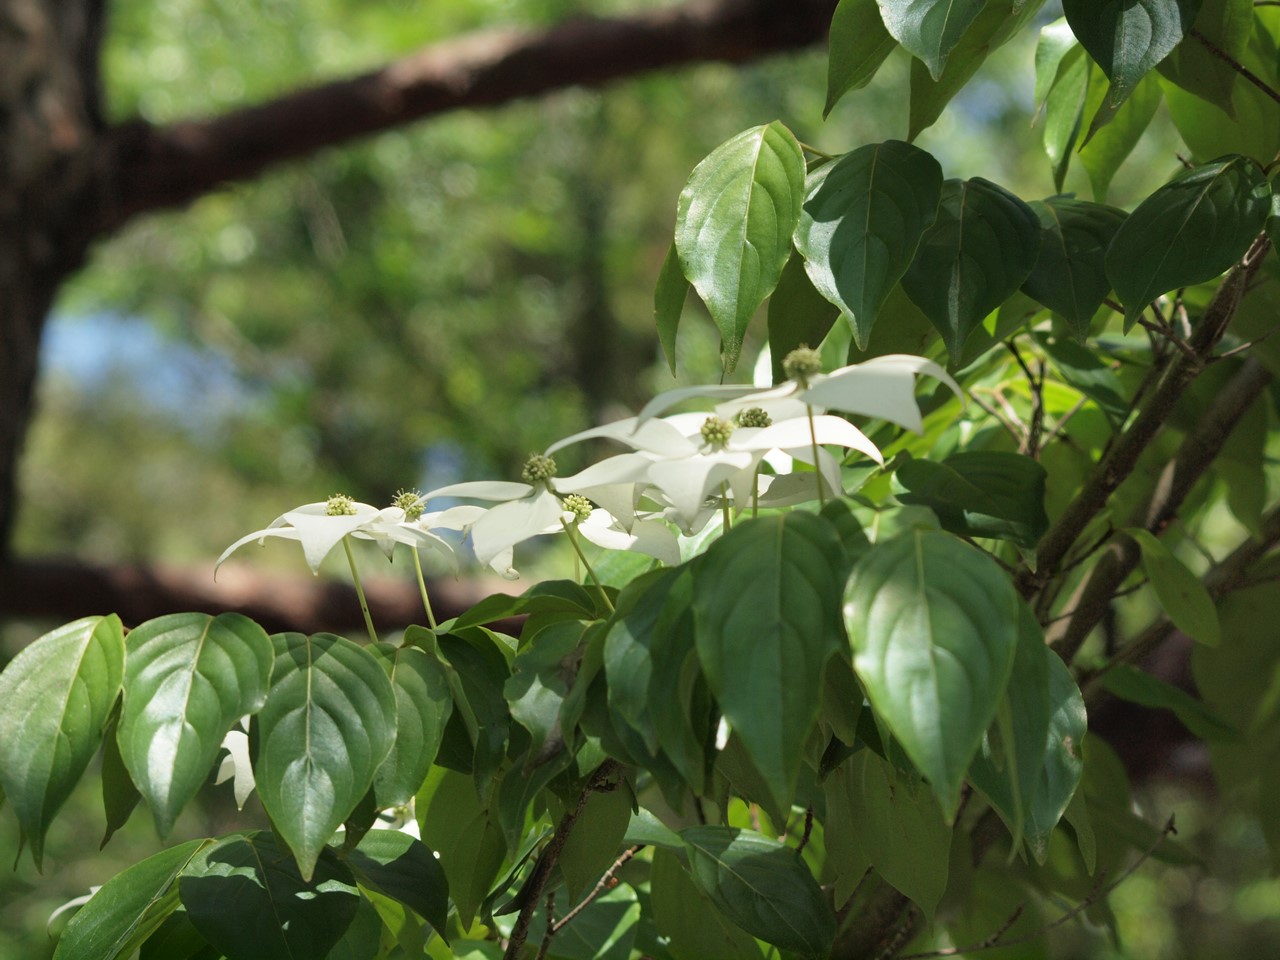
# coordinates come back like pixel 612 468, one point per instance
pixel 538 469
pixel 579 506
pixel 801 364
pixel 340 505
pixel 717 432
pixel 754 417
pixel 410 501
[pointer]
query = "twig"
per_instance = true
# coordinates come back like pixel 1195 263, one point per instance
pixel 1062 421
pixel 986 944
pixel 1237 66
pixel 604 883
pixel 545 946
pixel 995 414
pixel 1168 334
pixel 808 829
pixel 1115 596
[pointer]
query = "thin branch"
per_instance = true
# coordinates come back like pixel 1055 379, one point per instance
pixel 545 946
pixel 604 883
pixel 1236 65
pixel 1168 334
pixel 987 944
pixel 1014 431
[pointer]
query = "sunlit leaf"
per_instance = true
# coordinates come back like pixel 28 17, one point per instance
pixel 423 706
pixel 929 29
pixel 404 868
pixel 858 43
pixel 1114 132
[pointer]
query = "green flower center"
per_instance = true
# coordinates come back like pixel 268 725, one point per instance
pixel 538 469
pixel 340 505
pixel 579 506
pixel 410 501
pixel 717 432
pixel 801 364
pixel 754 417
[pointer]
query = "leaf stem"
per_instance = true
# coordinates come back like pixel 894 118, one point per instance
pixel 725 518
pixel 422 586
pixel 355 576
pixel 817 465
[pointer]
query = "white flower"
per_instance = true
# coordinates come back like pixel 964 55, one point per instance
pixel 522 511
pixel 235 765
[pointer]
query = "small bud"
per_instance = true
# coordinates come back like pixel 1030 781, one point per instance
pixel 410 501
pixel 340 505
pixel 538 469
pixel 717 432
pixel 754 417
pixel 579 506
pixel 801 364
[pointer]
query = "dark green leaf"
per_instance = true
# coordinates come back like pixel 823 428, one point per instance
pixel 596 839
pixel 363 939
pixel 56 696
pixel 1189 231
pixel 423 706
pixel 1193 66
pixel 766 598
pixel 647 830
pixel 1082 369
pixel 858 43
pixel 550 596
pixel 119 795
pixel 1137 686
pixel 1061 771
pixel 1129 38
pixel 188 678
pixel 763 887
pixel 1070 276
pixel 605 930
pixel 847 861
pixel 404 868
pixel 933 624
pixel 929 29
pixel 176 939
pixel 981 493
pixel 329 722
pixel 862 220
pixel 734 223
pixel 668 304
pixel 979 251
pixel 245 896
pixel 541 676
pixel 1184 598
pixel 798 315
pixel 479 674
pixel 693 927
pixel 129 908
pixel 459 827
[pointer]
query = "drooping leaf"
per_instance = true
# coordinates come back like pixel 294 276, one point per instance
pixel 55 699
pixel 1064 112
pixel 1063 765
pixel 693 927
pixel 423 706
pixel 329 722
pixel 762 886
pixel 1055 42
pixel 929 29
pixel 1189 231
pixel 1138 686
pixel 979 251
pixel 119 795
pixel 462 831
pixel 766 599
pixel 668 304
pixel 1127 39
pixel 1182 596
pixel 1113 132
pixel 981 493
pixel 188 678
pixel 246 897
pixel 129 908
pixel 1070 275
pixel 862 220
pixel 798 314
pixel 933 624
pixel 405 869
pixel 858 44
pixel 1193 66
pixel 734 223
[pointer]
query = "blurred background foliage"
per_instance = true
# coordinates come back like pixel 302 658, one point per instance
pixel 430 306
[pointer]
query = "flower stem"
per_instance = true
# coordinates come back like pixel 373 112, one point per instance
pixel 727 520
pixel 755 493
pixel 364 604
pixel 422 586
pixel 817 467
pixel 573 539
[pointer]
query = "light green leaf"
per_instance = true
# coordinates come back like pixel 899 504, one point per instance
pixel 858 44
pixel 329 722
pixel 668 304
pixel 763 887
pixel 1056 41
pixel 1070 275
pixel 129 908
pixel 596 838
pixel 933 624
pixel 56 696
pixel 188 678
pixel 766 601
pixel 977 253
pixel 734 223
pixel 694 928
pixel 1193 66
pixel 1138 686
pixel 1114 132
pixel 1064 112
pixel 929 29
pixel 459 827
pixel 1127 39
pixel 404 868
pixel 862 220
pixel 1189 231
pixel 245 896
pixel 1183 597
pixel 423 707
pixel 798 315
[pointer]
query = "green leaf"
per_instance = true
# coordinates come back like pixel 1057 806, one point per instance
pixel 606 929
pixel 329 722
pixel 119 795
pixel 597 835
pixel 459 827
pixel 423 706
pixel 1127 39
pixel 129 908
pixel 1064 112
pixel 404 868
pixel 981 493
pixel 734 223
pixel 862 220
pixel 176 939
pixel 550 596
pixel 858 44
pixel 668 304
pixel 979 250
pixel 763 887
pixel 1194 67
pixel 56 696
pixel 1084 371
pixel 766 600
pixel 693 927
pixel 1113 133
pixel 798 315
pixel 1183 597
pixel 363 939
pixel 188 678
pixel 481 671
pixel 933 624
pixel 541 675
pixel 1062 768
pixel 1055 42
pixel 847 861
pixel 245 896
pixel 1138 686
pixel 1189 231
pixel 1070 275
pixel 929 29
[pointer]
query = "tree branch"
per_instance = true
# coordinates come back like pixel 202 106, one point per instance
pixel 150 167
